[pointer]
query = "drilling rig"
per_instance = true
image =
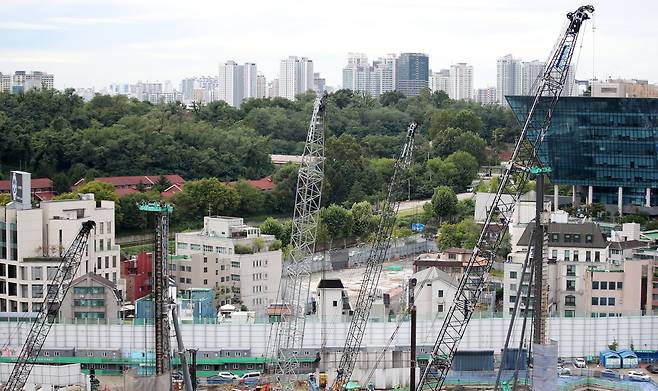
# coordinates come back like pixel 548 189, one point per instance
pixel 47 315
pixel 374 263
pixel 295 284
pixel 517 173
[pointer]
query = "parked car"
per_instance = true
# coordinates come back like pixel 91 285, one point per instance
pixel 250 378
pixel 563 372
pixel 637 376
pixel 610 374
pixel 222 378
pixel 580 363
pixel 652 368
pixel 228 375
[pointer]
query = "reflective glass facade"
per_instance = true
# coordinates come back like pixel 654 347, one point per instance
pixel 603 142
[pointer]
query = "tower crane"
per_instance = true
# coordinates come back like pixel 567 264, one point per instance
pixel 46 316
pixel 524 156
pixel 296 281
pixel 374 263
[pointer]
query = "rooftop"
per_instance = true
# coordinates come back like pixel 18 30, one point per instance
pixel 331 283
pixel 569 235
pixel 36 183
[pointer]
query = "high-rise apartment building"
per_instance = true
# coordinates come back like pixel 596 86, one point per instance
pixel 319 83
pixel 295 77
pixel 187 87
pixel 33 240
pixel 261 86
pixel 250 80
pixel 273 88
pixel 461 81
pixel 412 73
pixel 440 81
pixel 231 83
pixel 508 78
pixel 359 76
pixel 385 70
pixel 22 81
pixel 530 72
pixel 485 96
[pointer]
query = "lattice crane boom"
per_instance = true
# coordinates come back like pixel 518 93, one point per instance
pixel 374 263
pixel 295 284
pixel 56 292
pixel 525 153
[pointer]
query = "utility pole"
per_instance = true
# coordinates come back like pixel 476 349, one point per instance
pixel 412 312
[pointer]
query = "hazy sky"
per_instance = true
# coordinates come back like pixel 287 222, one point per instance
pixel 95 42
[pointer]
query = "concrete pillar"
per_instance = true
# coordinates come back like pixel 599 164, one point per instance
pixel 590 195
pixel 620 200
pixel 573 195
pixel 556 198
pixel 647 198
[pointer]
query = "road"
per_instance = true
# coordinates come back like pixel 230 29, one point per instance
pixel 406 205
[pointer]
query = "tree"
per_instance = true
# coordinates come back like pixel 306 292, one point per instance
pixel 162 184
pixel 252 200
pixel 4 199
pixel 466 208
pixel 444 203
pixel 271 226
pixel 463 234
pixel 282 197
pixel 100 190
pixel 203 197
pixel 135 219
pixel 362 216
pixel 339 221
pixel 391 98
pixel 467 169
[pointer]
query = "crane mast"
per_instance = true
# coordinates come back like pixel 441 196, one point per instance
pixel 516 175
pixel 374 264
pixel 295 284
pixel 56 292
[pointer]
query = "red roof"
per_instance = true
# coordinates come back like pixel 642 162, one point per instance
pixel 505 155
pixel 123 191
pixel 44 195
pixel 37 183
pixel 126 181
pixel 171 190
pixel 263 183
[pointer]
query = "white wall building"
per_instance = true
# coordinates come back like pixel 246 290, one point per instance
pixel 440 81
pixel 508 77
pixel 486 96
pixel 295 77
pixel 231 83
pixel 461 81
pixel 250 80
pixel 434 293
pixel 385 70
pixel 208 259
pixel 261 86
pixel 32 241
pixel 530 72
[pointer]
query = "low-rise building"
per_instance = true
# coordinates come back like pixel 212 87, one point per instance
pixel 137 273
pixel 91 298
pixel 452 261
pixel 242 265
pixel 333 304
pixel 434 293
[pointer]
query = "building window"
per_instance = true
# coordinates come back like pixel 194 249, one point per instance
pixel 588 238
pixel 571 270
pixel 567 238
pixel 98 262
pixel 555 238
pixel 570 300
pixel 100 245
pixel 567 255
pixel 553 254
pixel 512 287
pixel 512 299
pixel 620 285
pixel 114 261
pixel 181 246
pixel 575 255
pixel 611 285
pixel 576 238
pixel 603 301
pixel 604 285
pixel 512 275
pixel 595 285
pixel 588 256
pixel 107 262
pixel 440 308
pixel 571 285
pixel 205 270
pixel 37 291
pixel 452 256
pixel 100 228
pixel 597 256
pixel 205 282
pixel 235 264
pixel 109 227
pixel 569 313
pixel 207 249
pixel 235 277
pixel 611 301
pixel 37 273
pixel 440 293
pixel 195 247
pixel 182 280
pixel 595 301
pixel 335 303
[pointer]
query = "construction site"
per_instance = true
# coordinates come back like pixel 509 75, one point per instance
pixel 343 345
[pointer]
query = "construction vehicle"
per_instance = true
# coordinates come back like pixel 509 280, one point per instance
pixel 47 315
pixel 524 157
pixel 375 262
pixel 296 276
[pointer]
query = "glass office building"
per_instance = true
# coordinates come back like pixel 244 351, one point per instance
pixel 605 146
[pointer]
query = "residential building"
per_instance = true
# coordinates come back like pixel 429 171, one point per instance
pixel 231 257
pixel 187 87
pixel 41 188
pixel 412 73
pixel 250 80
pixel 273 88
pixel 530 72
pixel 319 83
pixel 461 81
pixel 434 293
pixel 33 240
pixel 261 86
pixel 124 185
pixel 440 81
pixel 231 83
pixel 508 78
pixel 359 76
pixel 295 77
pixel 603 148
pixel 137 273
pixel 622 88
pixel 5 83
pixel 486 96
pixel 386 72
pixel 22 81
pixel 91 298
